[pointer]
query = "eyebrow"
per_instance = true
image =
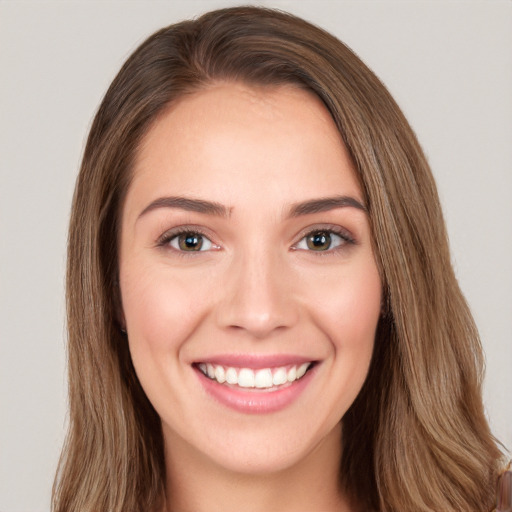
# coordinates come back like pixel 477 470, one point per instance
pixel 188 204
pixel 325 204
pixel 212 208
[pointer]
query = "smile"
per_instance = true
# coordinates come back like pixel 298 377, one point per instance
pixel 256 384
pixel 262 378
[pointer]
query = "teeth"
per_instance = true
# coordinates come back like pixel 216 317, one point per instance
pixel 246 378
pixel 220 374
pixel 231 376
pixel 279 377
pixel 302 369
pixel 263 378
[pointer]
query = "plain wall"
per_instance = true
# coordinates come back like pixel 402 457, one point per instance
pixel 449 66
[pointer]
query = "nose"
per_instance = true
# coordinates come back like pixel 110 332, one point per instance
pixel 257 297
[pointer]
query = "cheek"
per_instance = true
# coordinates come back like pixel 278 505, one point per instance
pixel 348 306
pixel 160 308
pixel 345 306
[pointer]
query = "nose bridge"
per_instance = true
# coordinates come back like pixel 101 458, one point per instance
pixel 257 296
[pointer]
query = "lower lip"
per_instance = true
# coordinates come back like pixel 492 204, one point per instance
pixel 255 401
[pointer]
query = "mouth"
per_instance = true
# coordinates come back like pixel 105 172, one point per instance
pixel 271 378
pixel 255 384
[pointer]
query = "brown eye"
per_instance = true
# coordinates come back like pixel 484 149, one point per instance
pixel 190 242
pixel 323 240
pixel 319 241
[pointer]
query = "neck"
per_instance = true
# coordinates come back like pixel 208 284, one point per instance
pixel 197 484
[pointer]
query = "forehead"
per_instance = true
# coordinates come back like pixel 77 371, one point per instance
pixel 229 139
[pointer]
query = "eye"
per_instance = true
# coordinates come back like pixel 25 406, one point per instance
pixel 322 240
pixel 189 241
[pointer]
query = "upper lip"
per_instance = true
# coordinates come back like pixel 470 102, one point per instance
pixel 255 361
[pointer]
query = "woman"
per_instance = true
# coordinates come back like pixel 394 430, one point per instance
pixel 262 312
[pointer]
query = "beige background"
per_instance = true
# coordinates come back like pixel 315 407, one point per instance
pixel 448 64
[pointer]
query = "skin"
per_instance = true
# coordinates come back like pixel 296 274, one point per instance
pixel 258 288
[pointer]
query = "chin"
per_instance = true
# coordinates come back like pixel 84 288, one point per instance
pixel 264 447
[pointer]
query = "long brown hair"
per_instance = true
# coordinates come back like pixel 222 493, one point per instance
pixel 416 438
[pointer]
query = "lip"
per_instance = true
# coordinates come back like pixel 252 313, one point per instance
pixel 255 401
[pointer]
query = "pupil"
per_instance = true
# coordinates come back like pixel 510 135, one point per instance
pixel 190 242
pixel 319 241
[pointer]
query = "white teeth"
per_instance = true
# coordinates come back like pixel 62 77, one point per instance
pixel 279 377
pixel 246 378
pixel 301 370
pixel 263 378
pixel 231 376
pixel 220 374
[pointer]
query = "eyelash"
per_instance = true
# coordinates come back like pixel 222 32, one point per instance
pixel 346 238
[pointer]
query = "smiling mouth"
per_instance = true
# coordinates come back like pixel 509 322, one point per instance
pixel 271 378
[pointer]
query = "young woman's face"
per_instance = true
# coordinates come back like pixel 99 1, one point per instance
pixel 249 287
